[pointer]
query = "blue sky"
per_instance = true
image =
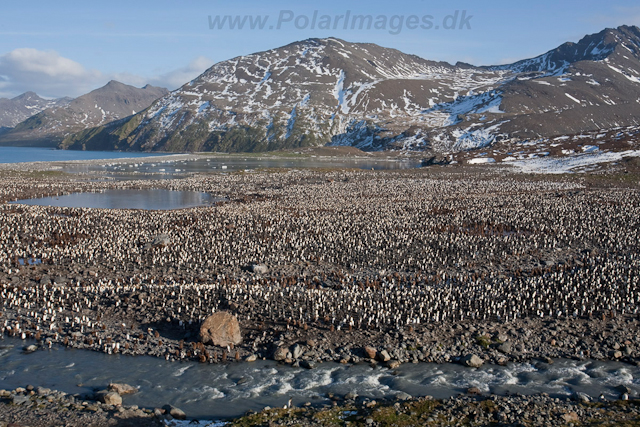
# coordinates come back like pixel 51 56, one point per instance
pixel 70 47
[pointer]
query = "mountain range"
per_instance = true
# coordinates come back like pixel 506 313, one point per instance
pixel 329 91
pixel 53 123
pixel 20 108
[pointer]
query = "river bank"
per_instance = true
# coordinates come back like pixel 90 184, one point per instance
pixel 38 407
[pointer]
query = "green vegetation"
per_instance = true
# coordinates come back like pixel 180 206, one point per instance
pixel 427 412
pixel 408 414
pixel 264 416
pixel 33 122
pixel 113 136
pixel 483 341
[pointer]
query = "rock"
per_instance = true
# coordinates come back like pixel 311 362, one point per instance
pixel 30 348
pixel 505 348
pixel 280 354
pixel 110 398
pixel 162 239
pixel 617 354
pixel 623 389
pixel 393 364
pixel 472 361
pixel 383 356
pixel 297 351
pixel 176 413
pixel 582 397
pixel 403 396
pixel 370 352
pixel 435 160
pixel 259 268
pixel 221 329
pixel 41 391
pixel 18 399
pixel 474 391
pixel 352 395
pixel 122 389
pixel 570 417
pixel 251 358
pixel 369 421
pixel 307 364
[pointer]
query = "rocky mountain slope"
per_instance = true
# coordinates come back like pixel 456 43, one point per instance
pixel 331 92
pixel 20 108
pixel 111 102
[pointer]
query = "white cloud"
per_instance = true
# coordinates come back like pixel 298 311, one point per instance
pixel 170 80
pixel 176 78
pixel 51 75
pixel 48 63
pixel 44 72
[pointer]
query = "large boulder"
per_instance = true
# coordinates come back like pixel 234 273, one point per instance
pixel 109 397
pixel 122 389
pixel 176 413
pixel 298 351
pixel 370 352
pixel 281 354
pixel 259 268
pixel 384 356
pixel 221 329
pixel 161 240
pixel 472 361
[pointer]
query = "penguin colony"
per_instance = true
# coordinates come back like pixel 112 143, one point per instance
pixel 348 251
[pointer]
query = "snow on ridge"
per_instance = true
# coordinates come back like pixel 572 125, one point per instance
pixel 339 93
pixel 573 99
pixel 468 139
pixel 569 164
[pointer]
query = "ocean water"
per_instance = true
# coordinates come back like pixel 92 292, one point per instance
pixel 39 154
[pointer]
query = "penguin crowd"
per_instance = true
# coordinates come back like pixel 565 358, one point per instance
pixel 344 251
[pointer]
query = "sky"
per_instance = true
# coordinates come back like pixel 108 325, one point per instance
pixel 68 48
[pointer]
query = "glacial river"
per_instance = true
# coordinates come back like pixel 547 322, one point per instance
pixel 207 391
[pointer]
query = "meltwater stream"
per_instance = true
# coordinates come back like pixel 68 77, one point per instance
pixel 207 391
pixel 146 199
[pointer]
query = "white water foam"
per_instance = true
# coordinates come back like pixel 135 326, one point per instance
pixel 181 371
pixel 208 392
